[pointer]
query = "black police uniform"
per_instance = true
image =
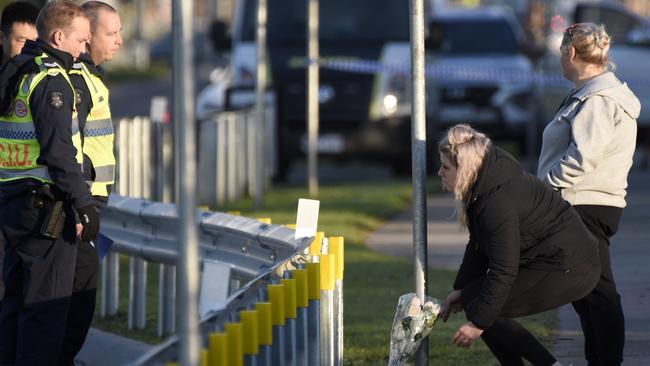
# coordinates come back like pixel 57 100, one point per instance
pixel 38 271
pixel 84 292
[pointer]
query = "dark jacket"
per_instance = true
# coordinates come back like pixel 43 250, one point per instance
pixel 515 221
pixel 53 124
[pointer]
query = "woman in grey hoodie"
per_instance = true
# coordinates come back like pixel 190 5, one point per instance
pixel 586 154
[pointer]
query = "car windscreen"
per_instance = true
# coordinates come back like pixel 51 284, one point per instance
pixel 472 37
pixel 341 21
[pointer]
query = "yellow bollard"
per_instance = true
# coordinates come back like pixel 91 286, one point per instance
pixel 235 346
pixel 276 298
pixel 204 357
pixel 218 349
pixel 315 247
pixel 265 220
pixel 337 249
pixel 264 325
pixel 302 287
pixel 313 276
pixel 249 322
pixel 289 298
pixel 327 272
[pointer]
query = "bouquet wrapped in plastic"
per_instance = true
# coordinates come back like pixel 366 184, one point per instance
pixel 413 321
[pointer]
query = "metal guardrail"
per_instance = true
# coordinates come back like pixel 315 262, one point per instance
pixel 147 233
pixel 228 147
pixel 296 320
pixel 226 152
pixel 303 309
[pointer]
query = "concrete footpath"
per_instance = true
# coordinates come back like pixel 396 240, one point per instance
pixel 630 250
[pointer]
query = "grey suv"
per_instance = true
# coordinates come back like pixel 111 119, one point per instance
pixel 479 74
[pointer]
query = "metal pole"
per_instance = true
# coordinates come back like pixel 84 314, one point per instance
pixel 338 323
pixel 419 154
pixel 260 90
pixel 184 121
pixel 327 328
pixel 137 293
pixel 312 98
pixel 166 300
pixel 110 285
pixel 313 332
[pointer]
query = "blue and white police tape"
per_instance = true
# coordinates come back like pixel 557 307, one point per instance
pixel 445 73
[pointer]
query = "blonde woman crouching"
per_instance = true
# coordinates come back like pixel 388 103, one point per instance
pixel 528 250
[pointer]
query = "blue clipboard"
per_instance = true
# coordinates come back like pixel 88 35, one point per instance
pixel 105 244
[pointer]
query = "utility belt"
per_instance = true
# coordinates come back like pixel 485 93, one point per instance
pixel 41 196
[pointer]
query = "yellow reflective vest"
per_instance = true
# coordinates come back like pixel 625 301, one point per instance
pixel 98 132
pixel 19 148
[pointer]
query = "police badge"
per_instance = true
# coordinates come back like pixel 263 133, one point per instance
pixel 56 100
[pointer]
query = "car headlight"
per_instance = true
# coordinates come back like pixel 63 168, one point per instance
pixel 389 104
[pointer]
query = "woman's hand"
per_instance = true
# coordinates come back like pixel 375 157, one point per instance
pixel 452 304
pixel 466 335
pixel 79 228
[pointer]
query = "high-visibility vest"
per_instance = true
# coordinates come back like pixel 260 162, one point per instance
pixel 19 148
pixel 98 132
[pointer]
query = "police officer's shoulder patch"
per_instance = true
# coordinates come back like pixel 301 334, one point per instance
pixel 56 100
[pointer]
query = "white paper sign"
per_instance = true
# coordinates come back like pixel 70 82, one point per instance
pixel 307 218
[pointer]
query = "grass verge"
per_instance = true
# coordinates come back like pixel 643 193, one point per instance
pixel 372 284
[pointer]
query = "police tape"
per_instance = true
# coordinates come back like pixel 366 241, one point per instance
pixel 445 73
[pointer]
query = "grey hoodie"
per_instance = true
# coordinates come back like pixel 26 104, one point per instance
pixel 587 148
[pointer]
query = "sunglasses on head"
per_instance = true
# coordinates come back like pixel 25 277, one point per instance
pixel 569 30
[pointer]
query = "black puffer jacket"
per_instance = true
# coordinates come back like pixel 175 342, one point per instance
pixel 516 221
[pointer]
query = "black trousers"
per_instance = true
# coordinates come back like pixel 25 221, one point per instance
pixel 38 277
pixel 533 291
pixel 82 302
pixel 600 312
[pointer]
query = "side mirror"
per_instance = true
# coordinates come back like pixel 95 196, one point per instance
pixel 221 41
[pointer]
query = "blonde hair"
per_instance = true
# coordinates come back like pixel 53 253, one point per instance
pixel 466 148
pixel 591 43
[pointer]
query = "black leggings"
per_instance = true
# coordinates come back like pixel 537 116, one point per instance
pixel 533 292
pixel 601 313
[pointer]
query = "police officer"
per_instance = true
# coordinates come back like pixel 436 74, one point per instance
pixel 42 187
pixel 97 135
pixel 18 24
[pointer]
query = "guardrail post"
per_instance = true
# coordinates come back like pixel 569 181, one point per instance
pixel 231 155
pixel 166 300
pixel 110 285
pixel 302 303
pixel 137 293
pixel 123 136
pixel 147 162
pixel 313 323
pixel 221 160
pixel 336 248
pixel 290 314
pixel 250 337
pixel 327 269
pixel 242 180
pixel 218 349
pixel 276 297
pixel 235 344
pixel 265 328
